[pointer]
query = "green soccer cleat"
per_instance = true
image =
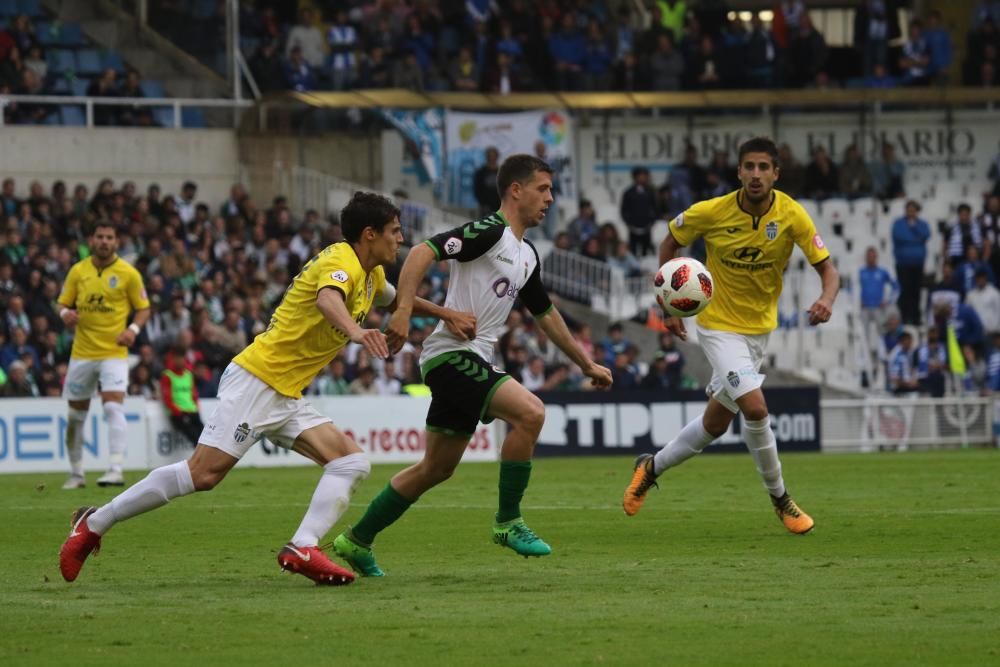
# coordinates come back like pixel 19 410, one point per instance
pixel 516 535
pixel 361 559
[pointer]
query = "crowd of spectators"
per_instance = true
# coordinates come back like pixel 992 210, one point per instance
pixel 916 314
pixel 24 70
pixel 214 275
pixel 580 45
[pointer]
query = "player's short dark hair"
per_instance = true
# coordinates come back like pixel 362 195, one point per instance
pixel 759 145
pixel 519 169
pixel 105 224
pixel 366 209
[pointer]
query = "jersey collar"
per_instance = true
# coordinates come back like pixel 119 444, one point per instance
pixel 102 269
pixel 756 218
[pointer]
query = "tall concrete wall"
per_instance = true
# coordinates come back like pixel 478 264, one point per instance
pixel 167 157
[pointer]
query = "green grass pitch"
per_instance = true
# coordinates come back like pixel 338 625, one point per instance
pixel 903 568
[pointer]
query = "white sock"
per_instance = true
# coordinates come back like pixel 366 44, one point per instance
pixel 331 498
pixel 764 450
pixel 115 413
pixel 157 489
pixel 690 441
pixel 75 421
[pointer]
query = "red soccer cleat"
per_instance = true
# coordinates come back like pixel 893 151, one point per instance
pixel 80 543
pixel 313 563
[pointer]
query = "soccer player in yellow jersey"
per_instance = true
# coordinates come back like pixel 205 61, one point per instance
pixel 98 295
pixel 260 393
pixel 749 235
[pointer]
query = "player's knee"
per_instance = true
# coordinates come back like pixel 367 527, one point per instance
pixel 532 418
pixel 755 413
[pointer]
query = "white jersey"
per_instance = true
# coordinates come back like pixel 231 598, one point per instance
pixel 492 269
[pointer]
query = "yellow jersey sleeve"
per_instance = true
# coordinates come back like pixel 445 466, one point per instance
pixel 806 237
pixel 691 224
pixel 333 271
pixel 67 298
pixel 137 291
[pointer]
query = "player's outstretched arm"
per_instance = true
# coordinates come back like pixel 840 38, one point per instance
pixel 670 248
pixel 822 308
pixel 330 302
pixel 418 260
pixel 554 326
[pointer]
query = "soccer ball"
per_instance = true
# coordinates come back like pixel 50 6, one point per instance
pixel 683 287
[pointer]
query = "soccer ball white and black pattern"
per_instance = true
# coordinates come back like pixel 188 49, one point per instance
pixel 683 287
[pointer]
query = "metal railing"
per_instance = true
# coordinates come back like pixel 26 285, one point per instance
pixel 177 104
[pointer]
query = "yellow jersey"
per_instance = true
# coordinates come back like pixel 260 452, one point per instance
pixel 299 342
pixel 103 299
pixel 747 256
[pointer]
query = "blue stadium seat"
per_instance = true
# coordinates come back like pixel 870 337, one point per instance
pixel 53 118
pixel 112 59
pixel 152 88
pixel 60 86
pixel 70 34
pixel 192 117
pixel 73 115
pixel 79 87
pixel 32 8
pixel 45 33
pixel 88 62
pixel 61 60
pixel 8 8
pixel 163 116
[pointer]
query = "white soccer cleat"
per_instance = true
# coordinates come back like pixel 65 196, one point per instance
pixel 111 478
pixel 74 482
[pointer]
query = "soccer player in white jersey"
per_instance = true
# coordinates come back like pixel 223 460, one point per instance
pixel 493 266
pixel 260 394
pixel 97 296
pixel 749 236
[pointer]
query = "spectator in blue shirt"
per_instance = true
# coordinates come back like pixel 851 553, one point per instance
pixel 968 269
pixel 615 344
pixel 875 298
pixel 939 45
pixel 909 247
pixel 993 366
pixel 19 348
pixel 967 326
pixel 297 72
pixel 568 50
pixel 902 375
pixel 932 364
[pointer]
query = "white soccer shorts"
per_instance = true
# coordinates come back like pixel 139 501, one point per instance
pixel 249 409
pixel 85 375
pixel 736 360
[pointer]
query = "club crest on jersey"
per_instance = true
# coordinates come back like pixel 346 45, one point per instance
pixel 733 378
pixel 453 246
pixel 339 276
pixel 113 282
pixel 525 270
pixel 241 432
pixel 771 230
